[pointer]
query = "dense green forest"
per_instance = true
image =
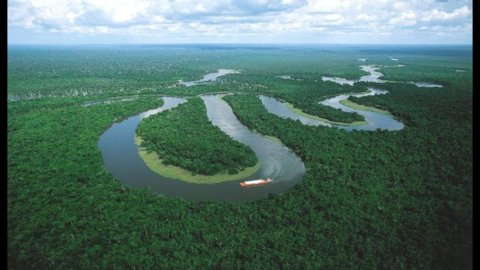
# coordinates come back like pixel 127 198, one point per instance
pixel 185 137
pixel 307 96
pixel 367 173
pixel 369 200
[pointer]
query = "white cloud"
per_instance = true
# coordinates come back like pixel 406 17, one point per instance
pixel 442 15
pixel 315 6
pixel 400 6
pixel 366 17
pixel 232 19
pixel 406 18
pixel 118 11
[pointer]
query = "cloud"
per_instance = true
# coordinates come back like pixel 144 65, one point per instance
pixel 365 17
pixel 400 6
pixel 232 20
pixel 406 18
pixel 325 6
pixel 118 11
pixel 443 16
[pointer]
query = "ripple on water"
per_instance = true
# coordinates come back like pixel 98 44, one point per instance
pixel 121 159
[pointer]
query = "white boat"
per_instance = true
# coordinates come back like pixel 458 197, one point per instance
pixel 258 182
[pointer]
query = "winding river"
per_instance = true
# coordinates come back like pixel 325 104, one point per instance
pixel 374 76
pixel 121 158
pixel 375 120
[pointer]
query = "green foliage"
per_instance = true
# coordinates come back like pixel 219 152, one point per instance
pixel 369 200
pixel 306 96
pixel 394 183
pixel 185 137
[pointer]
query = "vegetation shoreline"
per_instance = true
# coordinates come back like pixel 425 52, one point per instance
pixel 273 138
pixel 185 137
pixel 170 171
pixel 348 103
pixel 300 112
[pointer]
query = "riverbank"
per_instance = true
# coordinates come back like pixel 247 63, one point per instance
pixel 155 164
pixel 356 106
pixel 275 139
pixel 314 117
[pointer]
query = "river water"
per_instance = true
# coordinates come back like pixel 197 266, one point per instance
pixel 374 76
pixel 374 120
pixel 281 109
pixel 121 158
pixel 209 77
pixel 426 84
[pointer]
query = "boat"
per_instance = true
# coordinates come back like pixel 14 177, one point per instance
pixel 258 182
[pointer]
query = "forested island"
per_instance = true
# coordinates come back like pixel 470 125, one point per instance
pixel 185 137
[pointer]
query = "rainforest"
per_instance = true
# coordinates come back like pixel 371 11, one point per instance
pixel 132 156
pixel 186 138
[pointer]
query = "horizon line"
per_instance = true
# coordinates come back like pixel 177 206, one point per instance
pixel 282 44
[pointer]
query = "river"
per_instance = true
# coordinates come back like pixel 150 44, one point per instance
pixel 121 158
pixel 209 77
pixel 374 120
pixel 374 76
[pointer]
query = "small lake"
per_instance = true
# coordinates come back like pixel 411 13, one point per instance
pixel 121 158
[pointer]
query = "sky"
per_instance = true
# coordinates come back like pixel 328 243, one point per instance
pixel 240 21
